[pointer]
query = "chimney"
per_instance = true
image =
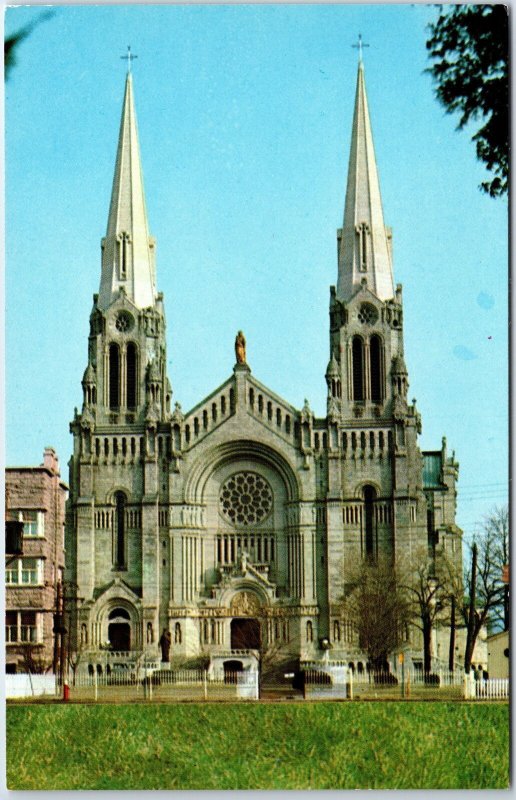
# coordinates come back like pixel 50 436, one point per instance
pixel 50 460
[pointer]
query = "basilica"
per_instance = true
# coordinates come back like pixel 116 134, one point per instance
pixel 233 526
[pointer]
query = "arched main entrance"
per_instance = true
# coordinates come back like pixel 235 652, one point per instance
pixel 119 629
pixel 245 634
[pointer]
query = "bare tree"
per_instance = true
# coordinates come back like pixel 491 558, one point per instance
pixel 426 581
pixel 380 608
pixel 33 662
pixel 487 596
pixel 496 527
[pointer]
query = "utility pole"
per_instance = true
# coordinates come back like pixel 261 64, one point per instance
pixel 62 649
pixel 451 655
pixel 58 621
pixel 472 610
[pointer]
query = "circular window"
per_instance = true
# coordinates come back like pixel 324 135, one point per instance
pixel 367 314
pixel 124 322
pixel 245 499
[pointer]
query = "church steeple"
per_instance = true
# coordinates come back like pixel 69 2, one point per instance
pixel 364 241
pixel 127 249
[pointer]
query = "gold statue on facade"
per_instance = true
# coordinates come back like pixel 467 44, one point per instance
pixel 240 348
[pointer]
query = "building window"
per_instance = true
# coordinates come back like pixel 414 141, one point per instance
pixel 309 632
pixel 114 376
pixel 33 522
pixel 358 368
pixel 376 365
pixel 131 375
pixel 25 571
pixel 21 627
pixel 119 548
pixel 369 498
pixel 245 499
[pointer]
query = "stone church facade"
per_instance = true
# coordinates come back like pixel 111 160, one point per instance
pixel 234 525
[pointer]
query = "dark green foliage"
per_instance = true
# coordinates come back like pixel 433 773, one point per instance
pixel 349 745
pixel 11 42
pixel 469 47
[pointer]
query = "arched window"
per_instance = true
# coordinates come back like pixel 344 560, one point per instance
pixel 177 633
pixel 114 376
pixel 119 555
pixel 376 364
pixel 131 375
pixel 309 632
pixel 358 368
pixel 369 498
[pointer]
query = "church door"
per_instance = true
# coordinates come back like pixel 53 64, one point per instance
pixel 245 634
pixel 120 635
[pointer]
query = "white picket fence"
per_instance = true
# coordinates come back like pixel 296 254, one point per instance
pixel 26 685
pixel 413 677
pixel 491 689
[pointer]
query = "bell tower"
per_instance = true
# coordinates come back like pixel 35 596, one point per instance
pixel 366 313
pixel 118 476
pixel 376 504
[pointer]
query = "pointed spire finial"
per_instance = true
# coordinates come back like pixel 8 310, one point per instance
pixel 364 243
pixel 129 57
pixel 359 46
pixel 128 249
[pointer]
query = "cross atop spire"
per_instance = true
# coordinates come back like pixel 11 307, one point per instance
pixel 130 57
pixel 360 44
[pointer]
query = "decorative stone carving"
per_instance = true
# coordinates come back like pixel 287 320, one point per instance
pixel 333 409
pixel 306 412
pixel 178 415
pixel 399 410
pixel 245 604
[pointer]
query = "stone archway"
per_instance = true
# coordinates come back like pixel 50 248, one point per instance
pixel 119 629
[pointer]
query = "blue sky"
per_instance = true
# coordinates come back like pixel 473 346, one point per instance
pixel 244 117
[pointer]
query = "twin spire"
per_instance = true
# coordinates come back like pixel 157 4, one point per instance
pixel 128 249
pixel 364 241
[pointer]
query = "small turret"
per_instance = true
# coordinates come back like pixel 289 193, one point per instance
pixel 89 385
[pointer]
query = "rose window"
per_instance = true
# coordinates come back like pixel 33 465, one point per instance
pixel 124 322
pixel 245 499
pixel 367 314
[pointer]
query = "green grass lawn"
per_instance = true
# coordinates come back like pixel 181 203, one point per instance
pixel 259 746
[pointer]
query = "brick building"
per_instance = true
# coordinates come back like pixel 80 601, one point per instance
pixel 35 496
